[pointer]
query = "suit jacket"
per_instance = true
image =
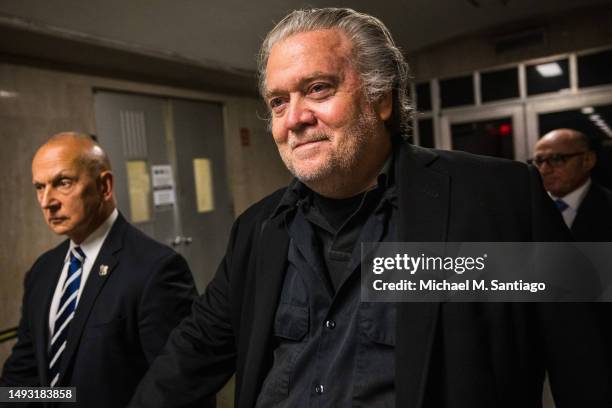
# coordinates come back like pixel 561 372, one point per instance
pixel 467 355
pixel 593 222
pixel 121 322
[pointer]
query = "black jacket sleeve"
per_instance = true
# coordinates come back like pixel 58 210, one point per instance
pixel 200 355
pixel 20 369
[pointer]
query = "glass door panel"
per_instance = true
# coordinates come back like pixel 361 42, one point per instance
pixel 498 132
pixel 492 137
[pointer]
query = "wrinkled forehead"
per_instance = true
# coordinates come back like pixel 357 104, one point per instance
pixel 319 51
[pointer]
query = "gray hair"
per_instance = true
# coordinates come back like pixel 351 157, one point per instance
pixel 380 63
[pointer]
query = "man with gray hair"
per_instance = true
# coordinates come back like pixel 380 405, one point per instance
pixel 284 311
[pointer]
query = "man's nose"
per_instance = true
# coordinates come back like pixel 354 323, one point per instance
pixel 47 199
pixel 299 115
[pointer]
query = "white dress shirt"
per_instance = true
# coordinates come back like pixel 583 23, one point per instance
pixel 91 247
pixel 573 200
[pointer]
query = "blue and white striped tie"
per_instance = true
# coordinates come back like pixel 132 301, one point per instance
pixel 65 312
pixel 561 205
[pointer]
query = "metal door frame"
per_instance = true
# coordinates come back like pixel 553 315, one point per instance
pixel 598 96
pixel 480 113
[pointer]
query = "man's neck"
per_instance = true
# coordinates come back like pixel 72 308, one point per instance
pixel 341 187
pixel 105 212
pixel 349 183
pixel 575 197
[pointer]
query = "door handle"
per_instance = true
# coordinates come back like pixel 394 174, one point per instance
pixel 178 240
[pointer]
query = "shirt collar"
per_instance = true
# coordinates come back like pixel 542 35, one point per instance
pixel 574 199
pixel 297 191
pixel 93 243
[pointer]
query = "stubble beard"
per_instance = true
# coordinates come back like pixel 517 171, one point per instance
pixel 342 161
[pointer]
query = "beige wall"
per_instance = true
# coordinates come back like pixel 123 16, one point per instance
pixel 48 102
pixel 255 170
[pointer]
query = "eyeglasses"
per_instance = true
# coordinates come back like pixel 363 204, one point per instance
pixel 554 160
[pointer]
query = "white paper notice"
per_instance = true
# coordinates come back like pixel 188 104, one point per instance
pixel 162 175
pixel 164 197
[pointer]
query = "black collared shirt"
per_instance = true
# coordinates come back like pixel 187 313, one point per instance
pixel 332 350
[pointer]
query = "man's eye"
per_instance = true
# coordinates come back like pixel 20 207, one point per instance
pixel 64 183
pixel 319 88
pixel 276 103
pixel 556 158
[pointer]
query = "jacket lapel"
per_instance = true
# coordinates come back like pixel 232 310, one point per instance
pixel 423 196
pixel 423 217
pixel 52 270
pixel 107 259
pixel 586 223
pixel 271 266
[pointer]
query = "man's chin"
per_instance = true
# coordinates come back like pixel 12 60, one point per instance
pixel 551 188
pixel 554 191
pixel 311 174
pixel 58 229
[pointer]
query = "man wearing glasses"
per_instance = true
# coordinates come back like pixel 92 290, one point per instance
pixel 565 159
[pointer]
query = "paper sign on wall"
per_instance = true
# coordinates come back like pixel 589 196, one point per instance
pixel 162 175
pixel 164 197
pixel 202 173
pixel 163 186
pixel 139 188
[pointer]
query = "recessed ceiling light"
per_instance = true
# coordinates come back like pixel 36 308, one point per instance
pixel 552 69
pixel 587 110
pixel 7 94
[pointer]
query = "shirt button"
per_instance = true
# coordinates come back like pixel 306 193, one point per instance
pixel 319 389
pixel 330 324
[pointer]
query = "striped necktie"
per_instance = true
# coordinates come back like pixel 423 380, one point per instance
pixel 65 312
pixel 561 205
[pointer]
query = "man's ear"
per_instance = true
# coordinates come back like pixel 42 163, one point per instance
pixel 384 106
pixel 590 159
pixel 106 181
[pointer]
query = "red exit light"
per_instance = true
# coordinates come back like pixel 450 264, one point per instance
pixel 505 129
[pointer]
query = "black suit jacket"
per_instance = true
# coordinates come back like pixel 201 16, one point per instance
pixel 121 323
pixel 593 222
pixel 469 355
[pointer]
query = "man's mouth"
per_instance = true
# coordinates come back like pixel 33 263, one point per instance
pixel 57 220
pixel 300 143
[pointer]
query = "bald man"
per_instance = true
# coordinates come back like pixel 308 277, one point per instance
pixel 565 160
pixel 98 308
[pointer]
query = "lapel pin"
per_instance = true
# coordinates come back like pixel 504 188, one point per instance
pixel 103 270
